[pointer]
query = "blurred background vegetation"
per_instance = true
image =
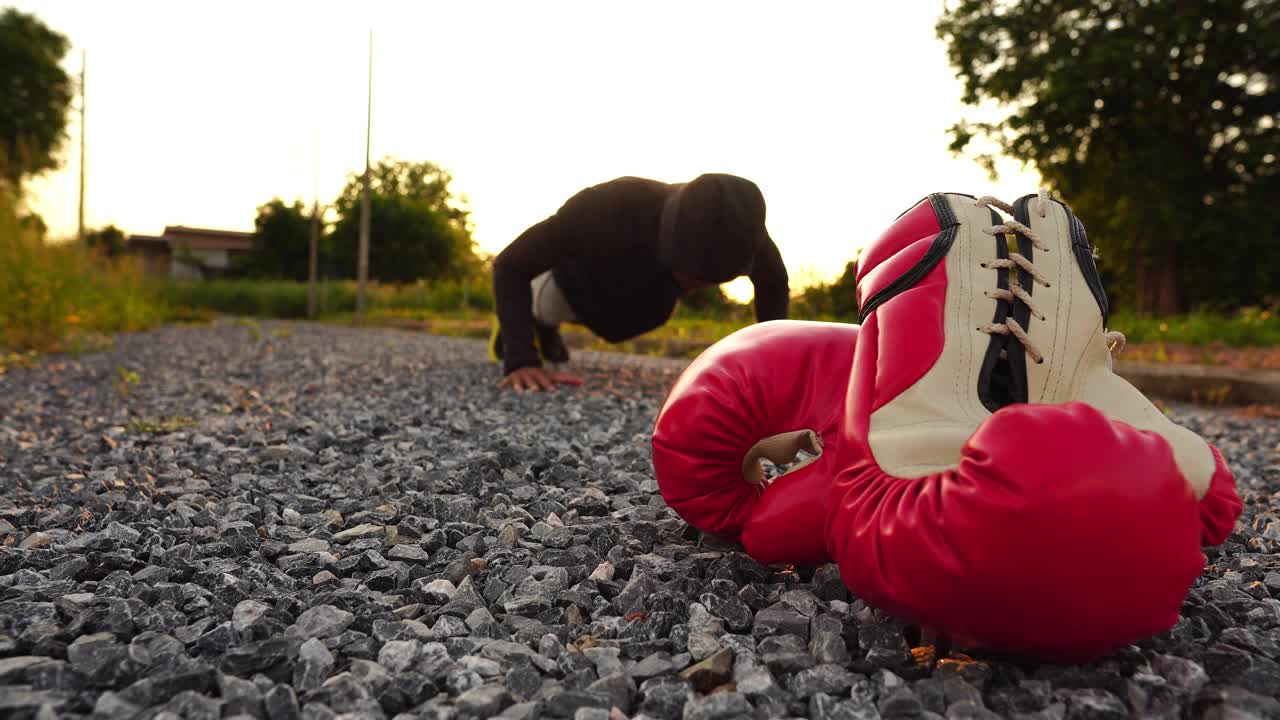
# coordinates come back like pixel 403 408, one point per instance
pixel 1155 120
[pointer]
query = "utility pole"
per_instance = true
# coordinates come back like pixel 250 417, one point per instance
pixel 313 260
pixel 362 263
pixel 80 231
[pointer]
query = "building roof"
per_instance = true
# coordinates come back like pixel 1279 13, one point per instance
pixel 207 238
pixel 148 242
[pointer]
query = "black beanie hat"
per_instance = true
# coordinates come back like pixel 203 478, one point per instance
pixel 711 226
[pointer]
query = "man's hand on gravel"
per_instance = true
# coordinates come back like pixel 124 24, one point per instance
pixel 535 378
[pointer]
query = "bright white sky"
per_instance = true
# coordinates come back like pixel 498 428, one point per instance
pixel 200 112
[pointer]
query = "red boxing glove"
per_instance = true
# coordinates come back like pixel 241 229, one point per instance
pixel 765 391
pixel 1060 533
pixel 991 464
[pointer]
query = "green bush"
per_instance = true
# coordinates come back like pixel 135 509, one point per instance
pixel 264 298
pixel 1248 327
pixel 60 296
pixel 286 299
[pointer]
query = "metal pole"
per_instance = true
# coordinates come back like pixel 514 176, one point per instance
pixel 362 263
pixel 313 259
pixel 80 230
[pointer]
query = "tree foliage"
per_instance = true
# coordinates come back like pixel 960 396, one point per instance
pixel 1154 119
pixel 837 299
pixel 408 241
pixel 425 182
pixel 36 93
pixel 281 242
pixel 107 241
pixel 418 229
pixel 709 299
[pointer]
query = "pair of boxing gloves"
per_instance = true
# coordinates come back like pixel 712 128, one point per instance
pixel 976 466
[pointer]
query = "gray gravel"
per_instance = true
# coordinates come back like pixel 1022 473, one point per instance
pixel 288 520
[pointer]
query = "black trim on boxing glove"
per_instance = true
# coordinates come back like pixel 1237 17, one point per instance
pixel 936 252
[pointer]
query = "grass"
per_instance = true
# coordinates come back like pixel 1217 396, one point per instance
pixel 62 297
pixel 124 380
pixel 1248 327
pixel 287 299
pixel 433 307
pixel 1248 338
pixel 17 359
pixel 439 308
pixel 160 425
pixel 683 336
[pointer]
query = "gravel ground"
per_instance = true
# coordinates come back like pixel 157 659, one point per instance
pixel 291 520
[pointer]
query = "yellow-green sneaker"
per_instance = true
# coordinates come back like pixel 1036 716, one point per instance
pixel 495 342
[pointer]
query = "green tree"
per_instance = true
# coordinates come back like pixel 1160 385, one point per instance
pixel 844 293
pixel 281 242
pixel 837 299
pixel 418 228
pixel 709 300
pixel 36 93
pixel 408 241
pixel 32 223
pixel 108 241
pixel 1155 119
pixel 422 181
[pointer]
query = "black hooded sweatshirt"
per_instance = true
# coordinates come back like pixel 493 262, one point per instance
pixel 612 249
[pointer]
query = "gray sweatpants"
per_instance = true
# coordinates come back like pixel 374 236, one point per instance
pixel 549 305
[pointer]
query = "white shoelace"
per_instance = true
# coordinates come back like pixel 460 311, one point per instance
pixel 1018 261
